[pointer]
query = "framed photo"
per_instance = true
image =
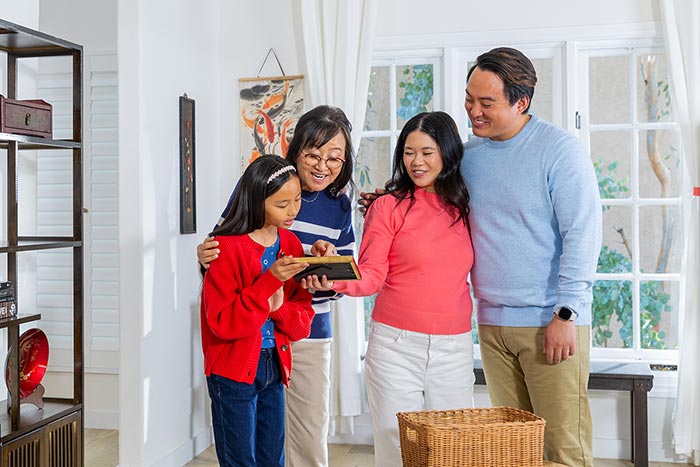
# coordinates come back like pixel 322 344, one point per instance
pixel 188 204
pixel 270 108
pixel 335 268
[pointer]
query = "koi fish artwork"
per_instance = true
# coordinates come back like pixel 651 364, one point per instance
pixel 269 109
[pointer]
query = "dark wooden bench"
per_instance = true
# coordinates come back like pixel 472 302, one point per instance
pixel 635 378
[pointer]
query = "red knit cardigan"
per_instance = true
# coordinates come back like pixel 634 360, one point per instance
pixel 235 305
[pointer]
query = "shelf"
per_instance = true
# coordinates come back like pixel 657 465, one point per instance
pixel 39 245
pixel 35 142
pixel 26 42
pixel 55 431
pixel 31 418
pixel 19 319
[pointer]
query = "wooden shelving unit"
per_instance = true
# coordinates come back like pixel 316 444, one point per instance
pixel 51 436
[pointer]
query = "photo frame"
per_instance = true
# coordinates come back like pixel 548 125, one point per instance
pixel 270 108
pixel 188 199
pixel 335 268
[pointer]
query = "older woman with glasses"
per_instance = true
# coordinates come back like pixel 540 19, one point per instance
pixel 321 150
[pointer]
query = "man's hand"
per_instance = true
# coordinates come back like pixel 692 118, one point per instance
pixel 366 199
pixel 559 340
pixel 207 251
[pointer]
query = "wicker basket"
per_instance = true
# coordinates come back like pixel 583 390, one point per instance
pixel 489 437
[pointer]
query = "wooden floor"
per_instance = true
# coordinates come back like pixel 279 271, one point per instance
pixel 102 450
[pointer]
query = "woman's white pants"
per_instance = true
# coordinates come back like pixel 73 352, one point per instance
pixel 410 371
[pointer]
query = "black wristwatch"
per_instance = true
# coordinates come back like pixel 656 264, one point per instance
pixel 565 314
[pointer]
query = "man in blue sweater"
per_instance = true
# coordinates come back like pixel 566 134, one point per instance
pixel 536 228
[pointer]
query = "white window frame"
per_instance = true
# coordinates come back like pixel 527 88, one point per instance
pixel 405 58
pixel 632 49
pixel 392 60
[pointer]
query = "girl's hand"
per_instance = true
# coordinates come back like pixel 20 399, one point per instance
pixel 207 251
pixel 313 283
pixel 286 267
pixel 276 299
pixel 323 248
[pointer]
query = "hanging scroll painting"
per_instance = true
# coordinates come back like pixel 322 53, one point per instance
pixel 270 108
pixel 188 200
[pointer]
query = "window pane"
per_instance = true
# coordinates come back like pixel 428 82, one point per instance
pixel 615 254
pixel 542 99
pixel 609 89
pixel 373 164
pixel 377 114
pixel 464 95
pixel 612 314
pixel 372 170
pixel 659 315
pixel 659 164
pixel 660 239
pixel 414 89
pixel 610 152
pixel 653 93
pixel 368 305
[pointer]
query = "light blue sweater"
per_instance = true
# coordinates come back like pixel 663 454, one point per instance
pixel 535 223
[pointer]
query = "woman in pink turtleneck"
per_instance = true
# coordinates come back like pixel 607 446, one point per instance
pixel 416 255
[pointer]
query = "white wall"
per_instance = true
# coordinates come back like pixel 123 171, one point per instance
pixel 248 30
pixel 166 48
pixel 24 13
pixel 399 17
pixel 90 23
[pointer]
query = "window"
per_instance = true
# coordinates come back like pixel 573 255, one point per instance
pixel 398 90
pixel 628 126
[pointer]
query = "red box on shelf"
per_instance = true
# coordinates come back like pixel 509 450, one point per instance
pixel 26 117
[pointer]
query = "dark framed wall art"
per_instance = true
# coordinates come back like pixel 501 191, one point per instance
pixel 188 205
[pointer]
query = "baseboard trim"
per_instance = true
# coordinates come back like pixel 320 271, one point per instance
pixel 102 419
pixel 188 450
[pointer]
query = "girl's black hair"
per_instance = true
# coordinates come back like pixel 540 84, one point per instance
pixel 449 184
pixel 247 212
pixel 314 129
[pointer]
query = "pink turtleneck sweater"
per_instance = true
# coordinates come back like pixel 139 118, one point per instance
pixel 417 261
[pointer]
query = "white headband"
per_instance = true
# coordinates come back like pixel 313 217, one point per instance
pixel 285 169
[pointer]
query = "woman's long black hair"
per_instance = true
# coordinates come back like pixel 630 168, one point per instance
pixel 449 184
pixel 263 178
pixel 314 129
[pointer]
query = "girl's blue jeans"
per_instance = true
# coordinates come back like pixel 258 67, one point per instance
pixel 248 419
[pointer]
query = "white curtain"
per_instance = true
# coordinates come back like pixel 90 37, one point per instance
pixel 338 37
pixel 681 21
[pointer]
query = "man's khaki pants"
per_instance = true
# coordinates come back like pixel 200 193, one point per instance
pixel 518 375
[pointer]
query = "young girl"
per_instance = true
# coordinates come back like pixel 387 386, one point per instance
pixel 416 254
pixel 251 310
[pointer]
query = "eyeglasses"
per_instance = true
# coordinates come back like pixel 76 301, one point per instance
pixel 312 160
